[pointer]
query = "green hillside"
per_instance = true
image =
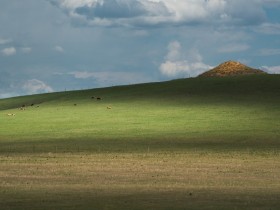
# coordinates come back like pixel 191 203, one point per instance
pixel 198 143
pixel 237 112
pixel 192 89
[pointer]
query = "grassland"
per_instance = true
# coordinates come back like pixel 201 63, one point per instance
pixel 203 143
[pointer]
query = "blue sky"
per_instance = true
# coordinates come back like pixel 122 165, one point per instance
pixel 53 45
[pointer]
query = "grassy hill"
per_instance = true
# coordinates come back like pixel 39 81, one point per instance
pixel 177 113
pixel 192 88
pixel 198 143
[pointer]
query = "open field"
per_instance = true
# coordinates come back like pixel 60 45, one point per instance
pixel 204 143
pixel 141 181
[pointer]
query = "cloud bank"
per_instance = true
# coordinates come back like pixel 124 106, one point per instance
pixel 177 64
pixel 160 12
pixel 111 78
pixel 5 41
pixel 269 52
pixel 59 49
pixel 34 86
pixel 26 49
pixel 9 51
pixel 271 69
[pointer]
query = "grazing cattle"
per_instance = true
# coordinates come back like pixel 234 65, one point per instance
pixel 32 105
pixel 98 98
pixel 92 97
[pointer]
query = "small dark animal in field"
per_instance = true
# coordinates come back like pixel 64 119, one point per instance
pixel 190 194
pixel 37 106
pixel 98 98
pixel 75 104
pixel 92 97
pixel 32 105
pixel 23 105
pixel 108 107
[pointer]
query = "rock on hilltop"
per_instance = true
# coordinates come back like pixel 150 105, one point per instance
pixel 231 68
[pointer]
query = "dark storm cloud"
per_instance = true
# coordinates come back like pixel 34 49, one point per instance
pixel 115 12
pixel 245 12
pixel 112 9
pixel 163 12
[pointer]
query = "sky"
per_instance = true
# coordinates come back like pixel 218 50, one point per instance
pixel 58 45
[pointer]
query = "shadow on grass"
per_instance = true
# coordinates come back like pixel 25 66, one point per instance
pixel 131 145
pixel 131 199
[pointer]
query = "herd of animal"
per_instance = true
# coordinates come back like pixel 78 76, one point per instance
pixel 97 98
pixel 93 97
pixel 23 107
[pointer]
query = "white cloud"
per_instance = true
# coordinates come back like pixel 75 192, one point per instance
pixel 26 49
pixel 8 95
pixel 34 86
pixel 111 78
pixel 9 51
pixel 269 52
pixel 178 64
pixel 140 33
pixel 12 50
pixel 5 41
pixel 269 28
pixel 270 3
pixel 231 48
pixel 83 74
pixel 184 68
pixel 159 12
pixel 59 49
pixel 174 51
pixel 271 69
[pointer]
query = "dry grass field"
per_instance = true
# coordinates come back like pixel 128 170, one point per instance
pixel 193 180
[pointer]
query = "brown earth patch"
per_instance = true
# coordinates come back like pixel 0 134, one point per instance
pixel 231 68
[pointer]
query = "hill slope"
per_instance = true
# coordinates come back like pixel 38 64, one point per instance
pixel 255 87
pixel 180 114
